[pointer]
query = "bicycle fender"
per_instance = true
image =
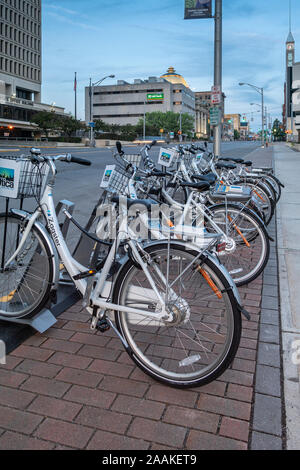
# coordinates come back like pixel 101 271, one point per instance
pixel 54 255
pixel 233 286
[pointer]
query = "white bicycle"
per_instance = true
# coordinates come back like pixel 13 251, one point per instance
pixel 176 309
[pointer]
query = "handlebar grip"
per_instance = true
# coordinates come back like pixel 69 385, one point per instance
pixel 153 143
pixel 119 148
pixel 80 161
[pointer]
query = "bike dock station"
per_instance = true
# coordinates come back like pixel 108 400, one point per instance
pixel 241 410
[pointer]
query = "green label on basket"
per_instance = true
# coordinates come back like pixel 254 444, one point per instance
pixel 9 178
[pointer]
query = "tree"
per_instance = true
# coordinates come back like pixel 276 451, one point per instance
pixel 69 125
pixel 278 131
pixel 237 135
pixel 46 121
pixel 102 126
pixel 168 121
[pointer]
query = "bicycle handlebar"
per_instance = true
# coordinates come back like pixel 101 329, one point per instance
pixel 35 158
pixel 80 161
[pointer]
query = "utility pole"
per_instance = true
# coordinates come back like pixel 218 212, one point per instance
pixel 180 125
pixel 144 129
pixel 218 71
pixel 263 119
pixel 90 91
pixel 75 91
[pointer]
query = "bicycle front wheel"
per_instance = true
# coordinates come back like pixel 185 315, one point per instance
pixel 200 341
pixel 26 283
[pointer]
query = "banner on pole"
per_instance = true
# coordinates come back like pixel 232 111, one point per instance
pixel 195 9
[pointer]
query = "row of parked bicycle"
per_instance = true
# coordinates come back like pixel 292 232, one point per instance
pixel 169 247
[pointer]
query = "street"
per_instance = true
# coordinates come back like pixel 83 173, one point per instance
pixel 80 184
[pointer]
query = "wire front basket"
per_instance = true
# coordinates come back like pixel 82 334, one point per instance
pixel 135 160
pixel 118 182
pixel 30 182
pixel 188 158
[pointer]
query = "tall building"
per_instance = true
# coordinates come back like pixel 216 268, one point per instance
pixel 203 104
pixel 290 60
pixel 296 101
pixel 235 120
pixel 126 103
pixel 20 66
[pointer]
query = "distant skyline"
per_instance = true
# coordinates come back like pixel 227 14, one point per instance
pixel 136 39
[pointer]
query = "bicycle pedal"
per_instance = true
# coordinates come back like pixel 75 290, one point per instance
pixel 89 273
pixel 103 325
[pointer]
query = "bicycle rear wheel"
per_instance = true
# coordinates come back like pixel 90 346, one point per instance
pixel 247 257
pixel 201 340
pixel 26 283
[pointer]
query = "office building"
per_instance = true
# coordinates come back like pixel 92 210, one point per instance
pixel 126 103
pixel 235 120
pixel 203 105
pixel 20 67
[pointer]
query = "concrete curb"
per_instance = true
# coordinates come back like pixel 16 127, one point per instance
pixel 290 333
pixel 268 427
pixel 268 410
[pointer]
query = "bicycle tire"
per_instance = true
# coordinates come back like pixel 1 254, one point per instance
pixel 268 215
pixel 25 287
pixel 257 238
pixel 158 358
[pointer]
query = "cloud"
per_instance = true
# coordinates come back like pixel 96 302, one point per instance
pixel 63 10
pixel 79 24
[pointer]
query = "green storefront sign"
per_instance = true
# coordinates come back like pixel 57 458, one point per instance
pixel 155 96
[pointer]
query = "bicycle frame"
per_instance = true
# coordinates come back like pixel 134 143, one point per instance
pixel 103 287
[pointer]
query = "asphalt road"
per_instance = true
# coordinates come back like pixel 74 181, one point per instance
pixel 80 184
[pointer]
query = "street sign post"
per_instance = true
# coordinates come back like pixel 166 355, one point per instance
pixel 203 9
pixel 216 95
pixel 215 116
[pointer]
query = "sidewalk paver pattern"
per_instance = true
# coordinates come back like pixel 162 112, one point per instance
pixel 69 388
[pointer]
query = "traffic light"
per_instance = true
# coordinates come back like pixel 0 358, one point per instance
pixel 179 133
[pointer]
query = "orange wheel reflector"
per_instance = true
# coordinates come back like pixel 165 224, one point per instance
pixel 259 195
pixel 210 282
pixel 239 232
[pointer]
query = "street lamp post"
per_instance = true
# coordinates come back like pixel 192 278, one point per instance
pixel 218 70
pixel 261 92
pixel 180 125
pixel 144 127
pixel 92 85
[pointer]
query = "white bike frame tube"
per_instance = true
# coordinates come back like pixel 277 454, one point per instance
pixel 71 265
pixel 31 222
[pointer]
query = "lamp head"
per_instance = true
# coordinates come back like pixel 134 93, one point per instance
pixel 241 83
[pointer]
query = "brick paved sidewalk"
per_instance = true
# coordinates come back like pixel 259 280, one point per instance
pixel 69 388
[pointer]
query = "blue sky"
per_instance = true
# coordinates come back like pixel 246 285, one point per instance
pixel 139 38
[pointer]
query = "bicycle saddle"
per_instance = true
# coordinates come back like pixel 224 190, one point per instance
pixel 235 160
pixel 203 186
pixel 209 178
pixel 225 166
